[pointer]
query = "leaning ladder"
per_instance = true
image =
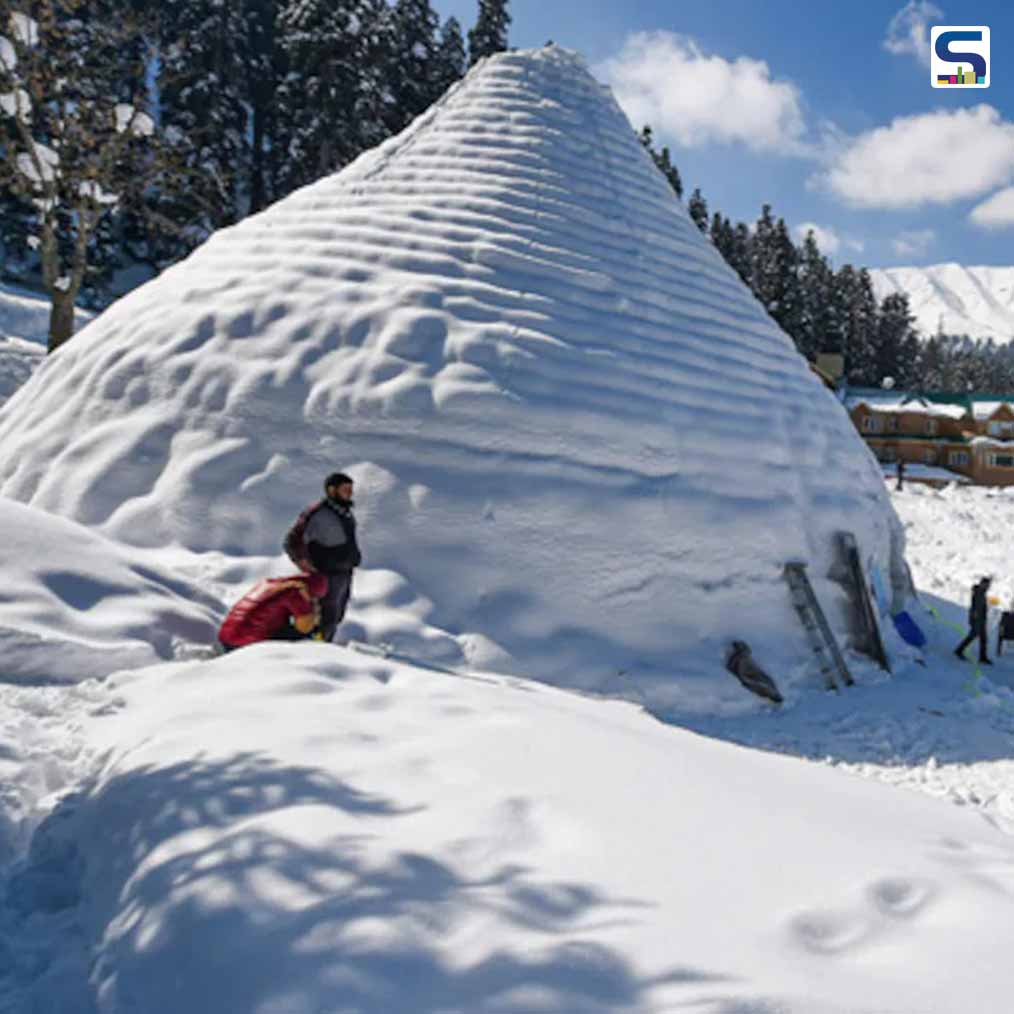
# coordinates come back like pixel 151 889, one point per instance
pixel 818 630
pixel 849 549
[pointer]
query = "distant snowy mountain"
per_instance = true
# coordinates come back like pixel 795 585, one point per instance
pixel 954 299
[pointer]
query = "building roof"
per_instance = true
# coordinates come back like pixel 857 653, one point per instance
pixel 900 402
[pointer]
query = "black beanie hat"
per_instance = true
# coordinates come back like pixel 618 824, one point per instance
pixel 337 479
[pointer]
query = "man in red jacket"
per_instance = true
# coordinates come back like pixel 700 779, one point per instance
pixel 275 609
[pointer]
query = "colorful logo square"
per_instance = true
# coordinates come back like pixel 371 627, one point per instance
pixel 959 56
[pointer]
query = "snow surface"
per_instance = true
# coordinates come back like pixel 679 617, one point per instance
pixel 575 433
pixel 977 301
pixel 917 471
pixel 109 608
pixel 304 828
pixel 311 829
pixel 24 326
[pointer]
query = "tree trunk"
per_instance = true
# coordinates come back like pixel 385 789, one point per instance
pixel 257 196
pixel 61 319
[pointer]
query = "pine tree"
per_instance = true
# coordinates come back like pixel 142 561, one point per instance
pixel 891 339
pixel 741 251
pixel 332 102
pixel 202 88
pixel 773 277
pixel 697 207
pixel 490 32
pixel 853 291
pixel 722 235
pixel 817 325
pixel 451 62
pixel 663 162
pixel 411 77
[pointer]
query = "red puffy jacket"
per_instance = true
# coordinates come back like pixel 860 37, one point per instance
pixel 264 612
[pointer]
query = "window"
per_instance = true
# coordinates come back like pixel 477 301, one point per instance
pixel 929 456
pixel 871 424
pixel 931 427
pixel 1000 428
pixel 1000 460
pixel 959 458
pixel 892 424
pixel 885 454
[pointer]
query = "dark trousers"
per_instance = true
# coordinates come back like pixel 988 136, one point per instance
pixel 335 602
pixel 975 632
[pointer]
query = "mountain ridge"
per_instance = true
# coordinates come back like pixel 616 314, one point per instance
pixel 954 299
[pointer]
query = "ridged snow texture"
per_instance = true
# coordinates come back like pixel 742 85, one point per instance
pixel 574 429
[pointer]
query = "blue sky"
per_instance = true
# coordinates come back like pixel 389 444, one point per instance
pixel 824 110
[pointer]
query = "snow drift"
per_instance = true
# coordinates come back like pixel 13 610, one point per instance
pixel 363 836
pixel 78 605
pixel 573 428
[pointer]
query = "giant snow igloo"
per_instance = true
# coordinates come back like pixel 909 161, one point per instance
pixel 574 430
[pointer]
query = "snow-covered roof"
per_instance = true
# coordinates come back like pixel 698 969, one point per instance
pixel 898 404
pixel 554 394
pixel 991 441
pixel 984 409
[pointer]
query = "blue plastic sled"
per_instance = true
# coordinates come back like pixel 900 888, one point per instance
pixel 909 630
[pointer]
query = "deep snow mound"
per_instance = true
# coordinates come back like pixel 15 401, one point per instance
pixel 77 605
pixel 573 428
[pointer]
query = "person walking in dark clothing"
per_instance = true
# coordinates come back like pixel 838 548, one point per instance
pixel 977 621
pixel 323 539
pixel 900 470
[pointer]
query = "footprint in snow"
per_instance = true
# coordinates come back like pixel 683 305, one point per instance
pixel 887 901
pixel 901 897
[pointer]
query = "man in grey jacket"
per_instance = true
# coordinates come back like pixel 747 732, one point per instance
pixel 323 539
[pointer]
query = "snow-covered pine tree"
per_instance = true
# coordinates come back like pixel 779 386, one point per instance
pixel 853 292
pixel 662 161
pixel 412 73
pixel 451 61
pixel 490 32
pixel 740 247
pixel 202 78
pixel 817 328
pixel 75 136
pixel 332 101
pixel 892 339
pixel 697 207
pixel 773 276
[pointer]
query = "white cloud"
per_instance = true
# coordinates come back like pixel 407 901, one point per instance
pixel 930 158
pixel 914 244
pixel 827 239
pixel 667 81
pixel 996 212
pixel 908 34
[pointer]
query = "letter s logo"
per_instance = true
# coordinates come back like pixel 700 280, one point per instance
pixel 944 52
